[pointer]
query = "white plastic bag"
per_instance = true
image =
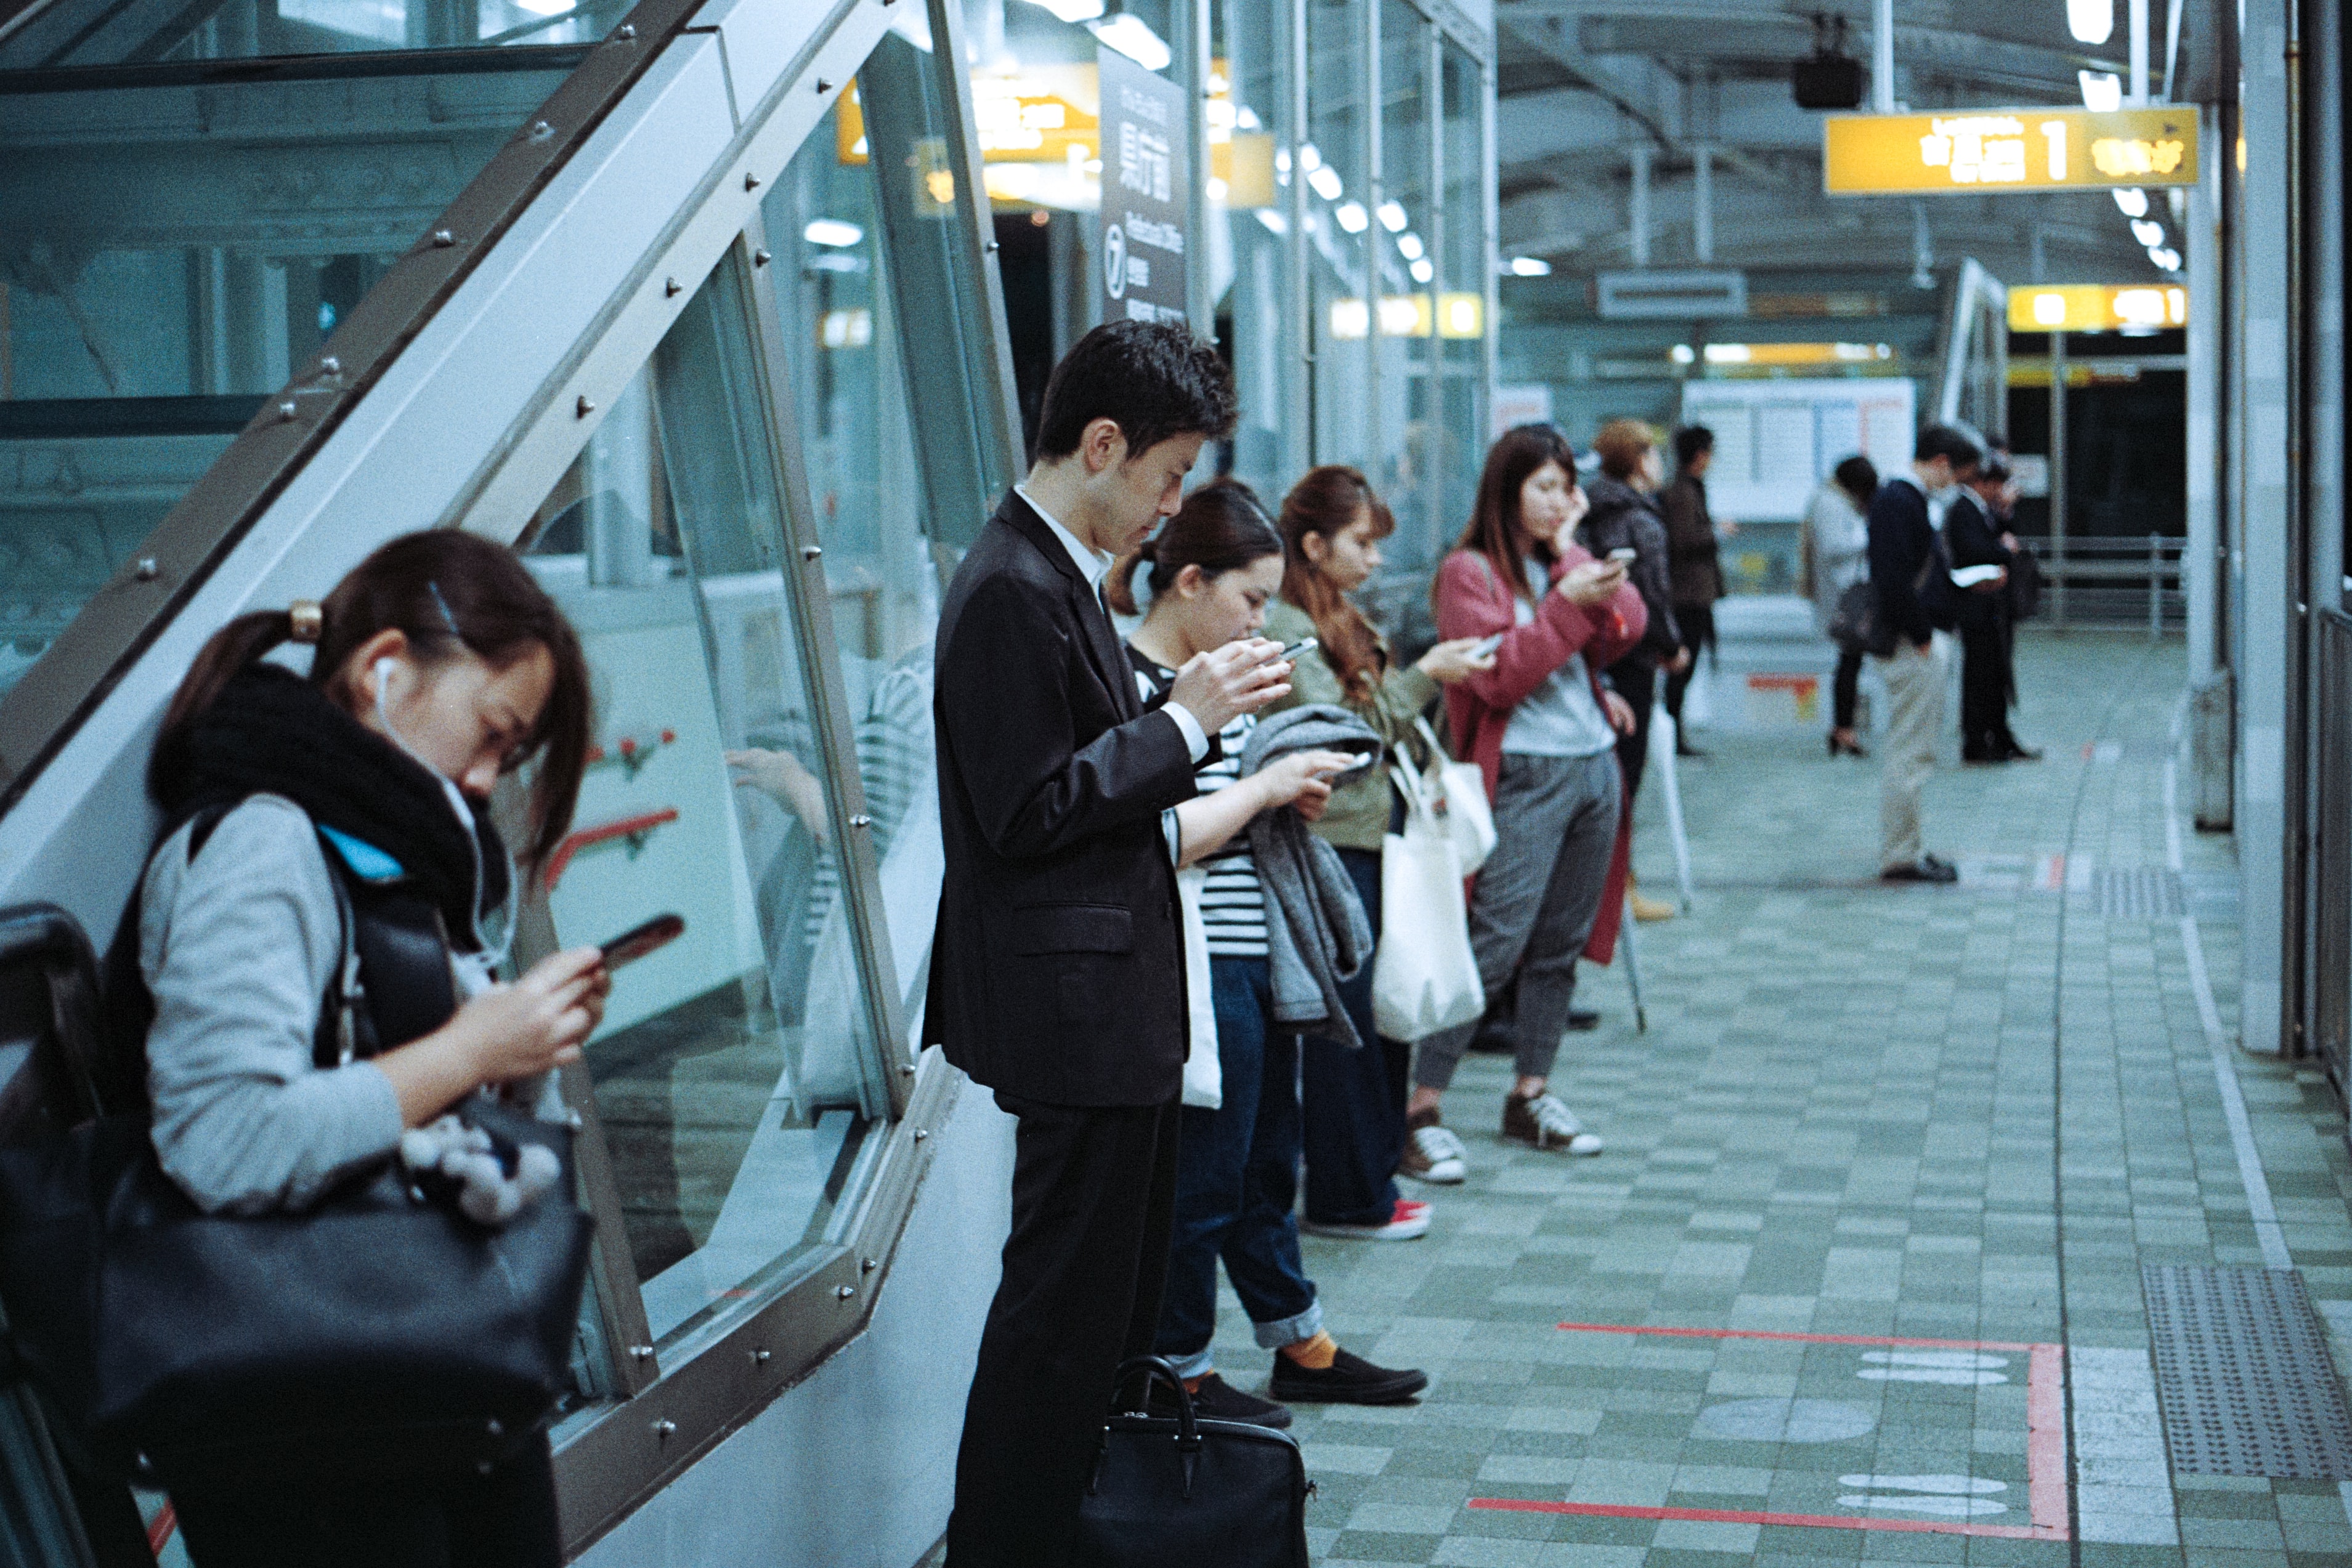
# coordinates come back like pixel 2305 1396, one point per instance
pixel 1460 803
pixel 1424 978
pixel 1204 1083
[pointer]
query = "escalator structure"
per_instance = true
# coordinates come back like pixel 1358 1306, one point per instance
pixel 282 280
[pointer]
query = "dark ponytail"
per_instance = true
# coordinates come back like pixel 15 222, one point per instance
pixel 447 591
pixel 1220 528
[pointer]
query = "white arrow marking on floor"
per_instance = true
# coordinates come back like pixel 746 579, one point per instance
pixel 1959 1368
pixel 1959 1497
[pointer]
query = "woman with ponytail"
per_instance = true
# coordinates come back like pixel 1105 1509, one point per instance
pixel 1214 568
pixel 438 665
pixel 1331 525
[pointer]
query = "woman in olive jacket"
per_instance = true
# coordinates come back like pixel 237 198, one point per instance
pixel 1331 526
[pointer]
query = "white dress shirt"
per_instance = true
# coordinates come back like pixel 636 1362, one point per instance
pixel 1093 566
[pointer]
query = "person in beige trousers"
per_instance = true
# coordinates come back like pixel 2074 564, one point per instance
pixel 1913 583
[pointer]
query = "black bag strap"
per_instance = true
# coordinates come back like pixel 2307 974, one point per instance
pixel 1148 1369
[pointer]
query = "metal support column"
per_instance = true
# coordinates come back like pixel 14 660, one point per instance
pixel 1300 324
pixel 1637 205
pixel 1703 204
pixel 2058 376
pixel 1375 192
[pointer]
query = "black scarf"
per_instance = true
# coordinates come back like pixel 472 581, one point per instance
pixel 272 732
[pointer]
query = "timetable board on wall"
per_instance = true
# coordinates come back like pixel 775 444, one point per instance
pixel 1776 440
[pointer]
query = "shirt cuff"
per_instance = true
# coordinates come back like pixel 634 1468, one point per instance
pixel 1196 739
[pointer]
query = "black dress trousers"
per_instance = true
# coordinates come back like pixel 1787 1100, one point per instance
pixel 1094 1198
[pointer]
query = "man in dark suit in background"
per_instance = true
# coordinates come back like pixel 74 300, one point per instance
pixel 1057 969
pixel 1911 578
pixel 1974 537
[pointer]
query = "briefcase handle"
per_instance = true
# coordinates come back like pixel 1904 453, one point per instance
pixel 1188 1432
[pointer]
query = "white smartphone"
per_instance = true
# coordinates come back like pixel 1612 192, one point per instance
pixel 1486 645
pixel 1625 553
pixel 1291 654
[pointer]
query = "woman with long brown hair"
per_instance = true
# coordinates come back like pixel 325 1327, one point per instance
pixel 1332 524
pixel 438 665
pixel 1544 732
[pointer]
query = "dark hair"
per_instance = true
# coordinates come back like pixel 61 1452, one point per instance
pixel 1154 379
pixel 1495 530
pixel 1623 443
pixel 1326 503
pixel 446 590
pixel 1858 477
pixel 1222 527
pixel 1690 440
pixel 1942 441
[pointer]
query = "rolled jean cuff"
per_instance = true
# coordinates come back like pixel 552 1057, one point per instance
pixel 1193 1365
pixel 1289 1331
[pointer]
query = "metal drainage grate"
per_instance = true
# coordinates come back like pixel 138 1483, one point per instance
pixel 2140 893
pixel 2244 1374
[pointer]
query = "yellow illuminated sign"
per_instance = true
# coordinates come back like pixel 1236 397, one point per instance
pixel 1974 151
pixel 2096 307
pixel 1046 115
pixel 1451 315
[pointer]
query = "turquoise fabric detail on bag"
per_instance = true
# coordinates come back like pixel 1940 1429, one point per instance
pixel 368 862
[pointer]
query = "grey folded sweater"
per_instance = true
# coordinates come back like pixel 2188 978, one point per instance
pixel 1316 936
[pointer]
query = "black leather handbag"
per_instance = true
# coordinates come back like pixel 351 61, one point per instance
pixel 1183 1493
pixel 379 1332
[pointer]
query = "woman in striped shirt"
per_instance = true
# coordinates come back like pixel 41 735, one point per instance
pixel 1213 568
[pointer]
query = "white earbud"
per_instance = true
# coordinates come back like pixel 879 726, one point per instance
pixel 382 670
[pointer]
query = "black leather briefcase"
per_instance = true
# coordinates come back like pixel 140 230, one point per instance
pixel 1184 1493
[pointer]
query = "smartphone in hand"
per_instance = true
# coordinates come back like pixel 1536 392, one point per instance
pixel 639 940
pixel 1625 553
pixel 1485 646
pixel 1291 654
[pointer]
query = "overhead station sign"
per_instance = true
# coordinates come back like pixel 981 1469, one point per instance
pixel 2095 306
pixel 1981 151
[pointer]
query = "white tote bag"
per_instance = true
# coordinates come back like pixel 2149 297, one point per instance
pixel 1424 978
pixel 1204 1083
pixel 1459 801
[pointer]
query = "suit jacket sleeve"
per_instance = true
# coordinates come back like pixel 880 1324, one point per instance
pixel 1900 543
pixel 1005 712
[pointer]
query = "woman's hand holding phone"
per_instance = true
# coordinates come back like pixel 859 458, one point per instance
pixel 1450 661
pixel 1591 583
pixel 1303 780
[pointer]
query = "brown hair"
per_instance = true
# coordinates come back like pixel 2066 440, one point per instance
pixel 1495 530
pixel 1326 503
pixel 446 590
pixel 1623 443
pixel 1220 528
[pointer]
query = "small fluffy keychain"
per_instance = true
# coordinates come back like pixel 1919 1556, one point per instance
pixel 493 1184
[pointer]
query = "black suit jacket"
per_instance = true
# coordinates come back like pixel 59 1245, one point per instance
pixel 1902 543
pixel 1057 966
pixel 1972 539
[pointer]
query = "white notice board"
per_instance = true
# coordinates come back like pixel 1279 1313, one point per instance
pixel 1775 440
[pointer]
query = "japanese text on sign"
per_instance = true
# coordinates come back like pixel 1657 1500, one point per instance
pixel 2012 149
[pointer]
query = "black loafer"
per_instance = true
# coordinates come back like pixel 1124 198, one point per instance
pixel 1583 1020
pixel 1348 1380
pixel 1926 868
pixel 1217 1400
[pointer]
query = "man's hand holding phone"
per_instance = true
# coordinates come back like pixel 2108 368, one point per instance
pixel 1219 686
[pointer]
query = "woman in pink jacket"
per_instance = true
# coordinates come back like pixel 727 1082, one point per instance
pixel 1543 729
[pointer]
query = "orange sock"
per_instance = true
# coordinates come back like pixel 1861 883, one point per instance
pixel 1314 1354
pixel 1193 1384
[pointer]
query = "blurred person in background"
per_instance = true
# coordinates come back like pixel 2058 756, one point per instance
pixel 1911 580
pixel 1975 537
pixel 1625 517
pixel 1332 525
pixel 1692 539
pixel 1544 733
pixel 1835 555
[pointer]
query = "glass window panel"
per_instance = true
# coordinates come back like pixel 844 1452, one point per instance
pixel 735 1075
pixel 1410 425
pixel 875 331
pixel 113 33
pixel 155 286
pixel 1247 123
pixel 1462 281
pixel 1340 305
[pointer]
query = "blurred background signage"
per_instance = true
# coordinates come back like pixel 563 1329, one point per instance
pixel 1972 152
pixel 2096 307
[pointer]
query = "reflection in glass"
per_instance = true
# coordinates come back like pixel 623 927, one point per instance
pixel 1270 446
pixel 108 33
pixel 170 252
pixel 735 1075
pixel 1462 278
pixel 1409 428
pixel 1333 162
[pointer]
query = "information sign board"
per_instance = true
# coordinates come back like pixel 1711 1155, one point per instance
pixel 1972 152
pixel 2095 306
pixel 1144 185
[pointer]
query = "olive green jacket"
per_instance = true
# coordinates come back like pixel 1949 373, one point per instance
pixel 1359 814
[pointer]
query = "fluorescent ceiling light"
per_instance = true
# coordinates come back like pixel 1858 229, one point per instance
pixel 2091 21
pixel 2103 91
pixel 1326 181
pixel 1681 354
pixel 2149 233
pixel 833 232
pixel 1218 189
pixel 1409 246
pixel 1072 10
pixel 1130 35
pixel 1527 266
pixel 2132 202
pixel 1275 221
pixel 1352 217
pixel 1393 217
pixel 1422 270
pixel 2166 258
pixel 1309 158
pixel 1246 118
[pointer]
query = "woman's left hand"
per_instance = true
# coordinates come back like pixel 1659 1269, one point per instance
pixel 1620 711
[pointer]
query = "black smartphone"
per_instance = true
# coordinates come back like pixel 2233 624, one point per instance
pixel 639 940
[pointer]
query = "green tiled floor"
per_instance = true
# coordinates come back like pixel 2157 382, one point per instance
pixel 1854 1114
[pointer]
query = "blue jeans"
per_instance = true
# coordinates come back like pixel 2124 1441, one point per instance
pixel 1355 1099
pixel 1237 1182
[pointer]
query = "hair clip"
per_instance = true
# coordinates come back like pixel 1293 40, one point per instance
pixel 306 620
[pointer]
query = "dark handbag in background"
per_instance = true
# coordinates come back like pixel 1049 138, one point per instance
pixel 1853 625
pixel 2026 579
pixel 1187 1493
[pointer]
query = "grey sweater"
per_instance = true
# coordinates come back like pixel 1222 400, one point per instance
pixel 238 949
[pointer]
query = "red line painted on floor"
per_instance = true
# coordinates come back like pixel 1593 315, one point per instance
pixel 1805 1338
pixel 1740 1516
pixel 2045 1445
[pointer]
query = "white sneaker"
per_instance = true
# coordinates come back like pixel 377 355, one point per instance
pixel 1435 1155
pixel 1545 1123
pixel 1408 1218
